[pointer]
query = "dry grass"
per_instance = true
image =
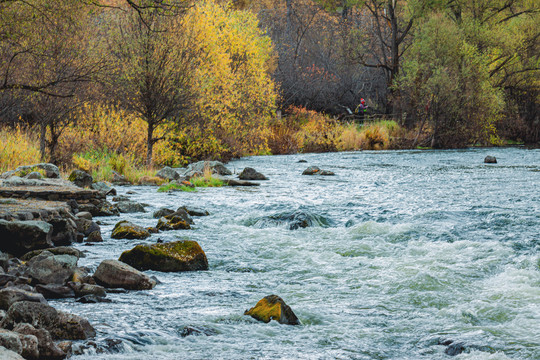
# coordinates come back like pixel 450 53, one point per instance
pixel 17 148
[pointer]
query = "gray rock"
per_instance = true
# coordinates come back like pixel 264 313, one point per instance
pixel 490 160
pixel 64 231
pixel 46 346
pixel 84 215
pixel 10 295
pixel 51 170
pixel 251 174
pixel 60 250
pixel 127 230
pixel 116 274
pixel 234 182
pixel 312 170
pixel 88 289
pixel 129 207
pixel 194 211
pixel 47 268
pixel 162 212
pixel 92 299
pixel 55 291
pixel 120 198
pixel 20 237
pixel 11 341
pixel 119 179
pixel 34 175
pixel 59 324
pixel 30 347
pixel 86 226
pixel 168 173
pixel 103 187
pixel 94 237
pixel 6 354
pixel 81 178
pixel 106 209
pixel 216 167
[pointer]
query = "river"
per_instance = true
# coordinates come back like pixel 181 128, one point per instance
pixel 410 251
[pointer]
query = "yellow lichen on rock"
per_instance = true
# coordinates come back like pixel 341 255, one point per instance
pixel 273 307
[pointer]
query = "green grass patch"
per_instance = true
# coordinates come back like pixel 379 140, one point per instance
pixel 174 186
pixel 200 181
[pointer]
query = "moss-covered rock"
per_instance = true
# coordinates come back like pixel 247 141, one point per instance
pixel 272 307
pixel 168 257
pixel 126 230
pixel 173 223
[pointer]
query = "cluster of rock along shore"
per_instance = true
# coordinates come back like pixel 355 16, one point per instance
pixel 41 215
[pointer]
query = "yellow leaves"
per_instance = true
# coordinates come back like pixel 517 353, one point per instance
pixel 17 147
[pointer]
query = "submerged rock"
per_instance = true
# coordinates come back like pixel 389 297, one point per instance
pixel 251 174
pixel 490 160
pixel 20 237
pixel 168 257
pixel 292 219
pixel 314 170
pixel 116 274
pixel 126 230
pixel 272 307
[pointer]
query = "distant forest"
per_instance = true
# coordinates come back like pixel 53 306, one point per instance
pixel 171 81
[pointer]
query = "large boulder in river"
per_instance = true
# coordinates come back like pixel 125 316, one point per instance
pixel 19 237
pixel 47 268
pixel 116 274
pixel 272 307
pixel 59 324
pixel 126 230
pixel 81 178
pixel 168 173
pixel 251 174
pixel 169 257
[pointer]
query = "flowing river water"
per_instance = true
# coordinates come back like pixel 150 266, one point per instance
pixel 410 251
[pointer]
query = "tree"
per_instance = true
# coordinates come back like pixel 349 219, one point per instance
pixel 446 85
pixel 154 62
pixel 45 64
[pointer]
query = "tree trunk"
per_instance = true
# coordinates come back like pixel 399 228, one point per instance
pixel 43 140
pixel 149 144
pixel 53 143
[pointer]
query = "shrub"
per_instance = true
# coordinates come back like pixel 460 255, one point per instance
pixel 17 147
